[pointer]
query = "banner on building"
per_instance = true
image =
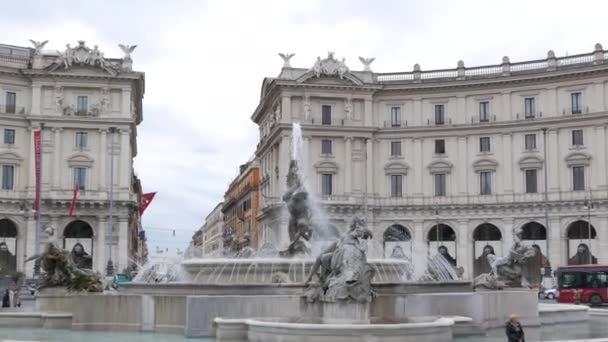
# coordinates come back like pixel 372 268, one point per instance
pixel 74 197
pixel 145 201
pixel 37 168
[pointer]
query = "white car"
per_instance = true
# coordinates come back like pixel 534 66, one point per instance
pixel 548 293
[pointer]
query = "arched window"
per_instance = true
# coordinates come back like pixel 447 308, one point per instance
pixel 8 229
pixel 580 230
pixel 78 230
pixel 441 232
pixel 533 231
pixel 78 240
pixel 396 232
pixel 8 246
pixel 487 232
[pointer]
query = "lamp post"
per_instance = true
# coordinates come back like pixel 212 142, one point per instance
pixel 110 266
pixel 38 208
pixel 546 192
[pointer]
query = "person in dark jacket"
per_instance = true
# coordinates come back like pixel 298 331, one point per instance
pixel 515 333
pixel 6 300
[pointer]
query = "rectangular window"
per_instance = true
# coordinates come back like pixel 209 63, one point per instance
pixel 82 106
pixel 395 116
pixel 484 111
pixel 439 114
pixel 484 144
pixel 9 136
pixel 326 115
pixel 530 142
pixel 577 137
pixel 485 183
pixel 439 146
pixel 531 181
pixel 395 148
pixel 80 177
pixel 11 102
pixel 8 174
pixel 578 178
pixel 530 107
pixel 326 184
pixel 575 99
pixel 396 185
pixel 81 139
pixel 440 184
pixel 326 147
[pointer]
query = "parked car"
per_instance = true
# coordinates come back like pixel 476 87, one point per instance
pixel 121 278
pixel 548 293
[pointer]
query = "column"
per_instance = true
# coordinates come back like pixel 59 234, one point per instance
pixel 369 186
pixel 286 109
pixel 464 257
pixel 21 243
pixel 418 116
pixel 35 110
pixel 101 248
pixel 418 167
pixel 283 162
pixel 103 152
pixel 56 181
pixel 420 249
pixel 30 248
pixel 602 236
pixel 551 107
pixel 506 107
pixel 507 162
pixel 368 113
pixel 553 168
pixel 554 242
pixel 122 254
pixel 507 239
pixel 126 102
pixel 125 160
pixel 31 179
pixel 598 176
pixel 461 112
pixel 462 166
pixel 600 105
pixel 348 157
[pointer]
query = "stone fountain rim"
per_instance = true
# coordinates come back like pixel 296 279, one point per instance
pixel 262 322
pixel 210 261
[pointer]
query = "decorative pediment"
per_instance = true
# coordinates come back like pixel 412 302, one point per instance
pixel 530 162
pixel 328 69
pixel 10 158
pixel 326 166
pixel 485 164
pixel 578 158
pixel 440 166
pixel 396 168
pixel 80 159
pixel 82 55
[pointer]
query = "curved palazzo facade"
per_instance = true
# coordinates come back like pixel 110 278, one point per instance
pixel 89 107
pixel 455 157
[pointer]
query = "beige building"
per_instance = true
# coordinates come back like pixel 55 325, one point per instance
pixel 456 157
pixel 212 231
pixel 88 107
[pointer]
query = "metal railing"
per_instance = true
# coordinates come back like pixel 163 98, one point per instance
pixel 496 70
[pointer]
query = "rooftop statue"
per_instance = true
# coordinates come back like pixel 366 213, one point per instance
pixel 367 62
pixel 341 272
pixel 329 66
pixel 38 46
pixel 82 55
pixel 127 49
pixel 59 268
pixel 286 57
pixel 507 271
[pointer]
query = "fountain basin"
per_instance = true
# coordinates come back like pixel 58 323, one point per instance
pixel 279 270
pixel 290 330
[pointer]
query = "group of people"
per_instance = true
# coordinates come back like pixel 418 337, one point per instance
pixel 11 299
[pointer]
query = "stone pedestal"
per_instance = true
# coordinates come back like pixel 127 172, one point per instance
pixel 54 299
pixel 345 312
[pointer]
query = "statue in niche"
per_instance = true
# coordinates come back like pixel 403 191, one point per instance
pixel 59 270
pixel 445 253
pixel 507 271
pixel 300 217
pixel 583 256
pixel 8 261
pixel 341 272
pixel 482 263
pixel 398 253
pixel 80 257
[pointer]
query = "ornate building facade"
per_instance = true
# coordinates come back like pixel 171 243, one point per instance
pixel 87 107
pixel 456 157
pixel 213 231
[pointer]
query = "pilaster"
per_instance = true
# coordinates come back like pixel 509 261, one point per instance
pixel 464 257
pixel 369 183
pixel 348 166
pixel 554 242
pixel 56 181
pixel 462 167
pixel 368 112
pixel 123 239
pixel 507 162
pixel 126 103
pixel 420 249
pixel 99 261
pixel 553 171
pixel 103 152
pixel 125 159
pixel 418 167
pixel 286 109
pixel 36 96
pixel 602 235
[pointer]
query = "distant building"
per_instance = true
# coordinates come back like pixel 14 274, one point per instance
pixel 213 231
pixel 240 208
pixel 455 157
pixel 88 107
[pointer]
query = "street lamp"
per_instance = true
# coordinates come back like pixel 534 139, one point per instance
pixel 110 266
pixel 38 207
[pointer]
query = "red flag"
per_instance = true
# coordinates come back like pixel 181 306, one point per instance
pixel 145 201
pixel 74 197
pixel 37 172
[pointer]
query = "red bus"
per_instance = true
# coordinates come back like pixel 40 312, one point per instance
pixel 589 281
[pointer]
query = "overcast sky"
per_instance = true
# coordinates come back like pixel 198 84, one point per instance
pixel 205 62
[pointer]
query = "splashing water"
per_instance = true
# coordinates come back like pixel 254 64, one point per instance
pixel 166 270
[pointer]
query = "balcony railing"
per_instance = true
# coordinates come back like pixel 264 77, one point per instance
pixel 11 110
pixel 407 200
pixel 498 70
